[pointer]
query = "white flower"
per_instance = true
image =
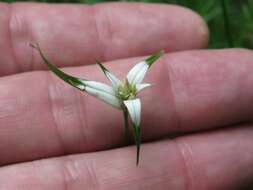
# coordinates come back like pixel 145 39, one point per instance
pixel 121 95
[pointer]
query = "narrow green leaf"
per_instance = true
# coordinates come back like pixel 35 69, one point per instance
pixel 101 66
pixel 137 136
pixel 153 58
pixel 113 79
pixel 99 90
pixel 73 81
pixel 126 123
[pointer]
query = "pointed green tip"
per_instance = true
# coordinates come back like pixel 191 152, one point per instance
pixel 153 58
pixel 138 159
pixel 137 135
pixel 35 46
pixel 102 67
pixel 73 81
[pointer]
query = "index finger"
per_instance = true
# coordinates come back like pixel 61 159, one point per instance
pixel 77 34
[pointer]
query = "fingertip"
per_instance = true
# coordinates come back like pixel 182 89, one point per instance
pixel 194 28
pixel 201 31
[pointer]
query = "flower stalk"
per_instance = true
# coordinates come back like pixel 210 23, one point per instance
pixel 121 95
pixel 126 125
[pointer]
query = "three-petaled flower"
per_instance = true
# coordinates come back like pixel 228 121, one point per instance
pixel 121 95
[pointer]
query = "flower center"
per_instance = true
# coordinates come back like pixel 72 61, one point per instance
pixel 126 91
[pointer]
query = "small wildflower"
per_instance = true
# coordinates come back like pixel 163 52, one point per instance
pixel 121 95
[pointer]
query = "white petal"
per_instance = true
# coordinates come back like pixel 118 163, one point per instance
pixel 99 86
pixel 102 92
pixel 134 71
pixel 107 98
pixel 114 80
pixel 134 110
pixel 138 72
pixel 140 87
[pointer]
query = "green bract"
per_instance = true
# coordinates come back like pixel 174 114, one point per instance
pixel 121 95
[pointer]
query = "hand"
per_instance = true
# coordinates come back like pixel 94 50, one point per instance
pixel 70 140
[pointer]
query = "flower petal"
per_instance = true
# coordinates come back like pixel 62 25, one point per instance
pixel 140 87
pixel 114 80
pixel 134 110
pixel 104 93
pixel 138 72
pixel 97 89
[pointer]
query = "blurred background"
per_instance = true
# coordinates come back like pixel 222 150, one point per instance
pixel 230 21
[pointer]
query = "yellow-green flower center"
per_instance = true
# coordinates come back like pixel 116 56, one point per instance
pixel 126 91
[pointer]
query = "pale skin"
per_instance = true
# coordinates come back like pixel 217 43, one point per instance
pixel 69 140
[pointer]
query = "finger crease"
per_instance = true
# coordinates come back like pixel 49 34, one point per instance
pixel 92 175
pixel 53 114
pixel 10 32
pixel 69 172
pixel 185 153
pixel 100 44
pixel 83 118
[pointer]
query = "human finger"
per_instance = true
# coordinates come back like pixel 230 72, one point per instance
pixel 217 160
pixel 77 34
pixel 193 91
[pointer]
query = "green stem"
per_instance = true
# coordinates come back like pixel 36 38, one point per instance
pixel 137 136
pixel 227 23
pixel 126 124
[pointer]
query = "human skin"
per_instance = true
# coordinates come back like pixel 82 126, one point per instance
pixel 196 120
